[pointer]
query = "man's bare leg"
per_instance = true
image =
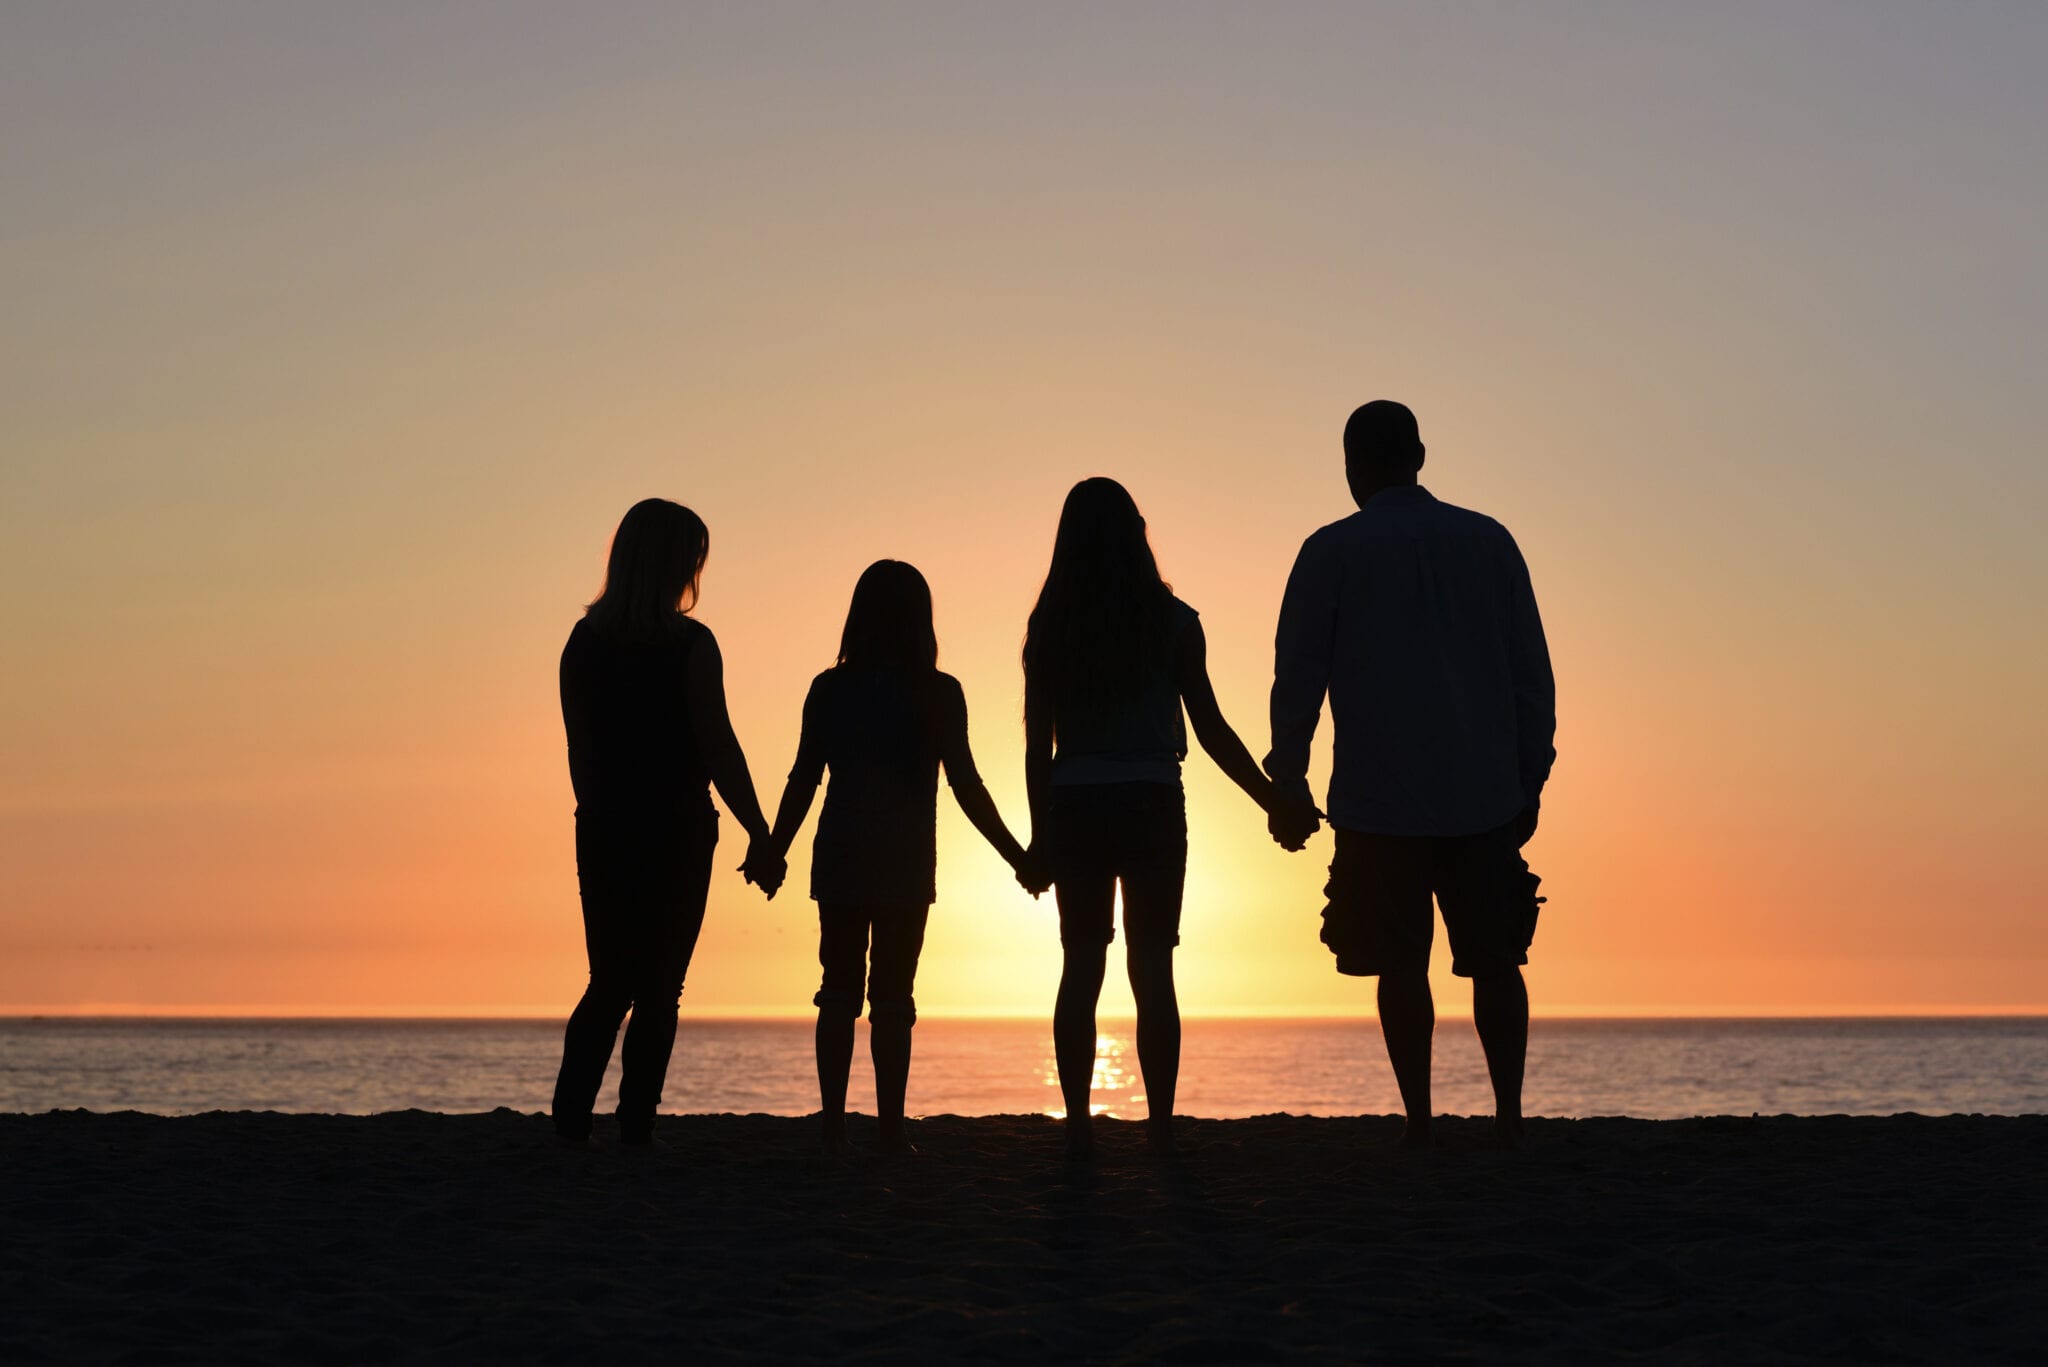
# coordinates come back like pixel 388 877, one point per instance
pixel 1500 1012
pixel 1408 1020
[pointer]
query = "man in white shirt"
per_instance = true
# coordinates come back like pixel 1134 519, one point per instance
pixel 1418 621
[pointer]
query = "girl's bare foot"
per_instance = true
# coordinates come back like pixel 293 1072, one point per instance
pixel 890 1143
pixel 1080 1141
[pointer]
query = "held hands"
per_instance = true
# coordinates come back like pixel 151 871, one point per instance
pixel 1032 874
pixel 764 868
pixel 1291 820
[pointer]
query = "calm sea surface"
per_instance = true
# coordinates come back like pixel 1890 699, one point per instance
pixel 1651 1068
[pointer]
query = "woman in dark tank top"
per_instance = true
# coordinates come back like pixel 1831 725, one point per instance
pixel 1110 659
pixel 643 703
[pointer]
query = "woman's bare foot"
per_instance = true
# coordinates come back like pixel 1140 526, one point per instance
pixel 832 1140
pixel 1416 1135
pixel 1159 1138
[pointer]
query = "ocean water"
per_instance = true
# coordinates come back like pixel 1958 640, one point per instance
pixel 1646 1068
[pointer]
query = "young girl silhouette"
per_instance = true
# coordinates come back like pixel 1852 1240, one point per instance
pixel 882 720
pixel 1110 657
pixel 643 702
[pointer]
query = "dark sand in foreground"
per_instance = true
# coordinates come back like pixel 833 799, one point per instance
pixel 429 1237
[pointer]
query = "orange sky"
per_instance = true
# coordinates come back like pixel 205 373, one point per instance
pixel 326 378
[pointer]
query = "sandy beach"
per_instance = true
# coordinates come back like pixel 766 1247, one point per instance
pixel 414 1236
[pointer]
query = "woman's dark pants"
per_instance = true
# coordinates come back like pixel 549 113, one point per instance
pixel 644 882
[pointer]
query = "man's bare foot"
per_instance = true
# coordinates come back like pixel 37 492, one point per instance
pixel 894 1146
pixel 833 1143
pixel 1508 1133
pixel 1080 1142
pixel 1159 1139
pixel 1416 1136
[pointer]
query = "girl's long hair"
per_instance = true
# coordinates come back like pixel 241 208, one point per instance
pixel 889 622
pixel 650 580
pixel 1102 620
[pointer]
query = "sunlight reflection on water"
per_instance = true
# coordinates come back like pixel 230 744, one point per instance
pixel 1110 1078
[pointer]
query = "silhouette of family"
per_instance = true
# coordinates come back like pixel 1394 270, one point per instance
pixel 1414 618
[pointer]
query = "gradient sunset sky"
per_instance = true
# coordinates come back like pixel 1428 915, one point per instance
pixel 336 339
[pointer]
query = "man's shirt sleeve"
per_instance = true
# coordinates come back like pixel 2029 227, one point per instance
pixel 1535 688
pixel 1302 651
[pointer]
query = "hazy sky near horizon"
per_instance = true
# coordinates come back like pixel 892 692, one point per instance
pixel 335 340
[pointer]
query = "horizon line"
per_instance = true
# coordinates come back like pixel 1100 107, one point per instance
pixel 742 1015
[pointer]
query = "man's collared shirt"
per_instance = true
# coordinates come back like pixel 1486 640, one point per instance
pixel 1417 620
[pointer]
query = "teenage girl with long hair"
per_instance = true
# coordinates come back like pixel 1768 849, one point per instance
pixel 1110 659
pixel 883 719
pixel 643 702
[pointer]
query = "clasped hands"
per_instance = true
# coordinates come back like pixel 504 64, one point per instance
pixel 1034 871
pixel 1291 820
pixel 764 867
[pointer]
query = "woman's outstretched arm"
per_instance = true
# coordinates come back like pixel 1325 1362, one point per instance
pixel 716 744
pixel 1211 729
pixel 804 777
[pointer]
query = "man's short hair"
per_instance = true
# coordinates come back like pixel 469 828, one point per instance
pixel 1382 436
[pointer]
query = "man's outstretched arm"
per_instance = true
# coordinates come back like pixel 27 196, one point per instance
pixel 1302 651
